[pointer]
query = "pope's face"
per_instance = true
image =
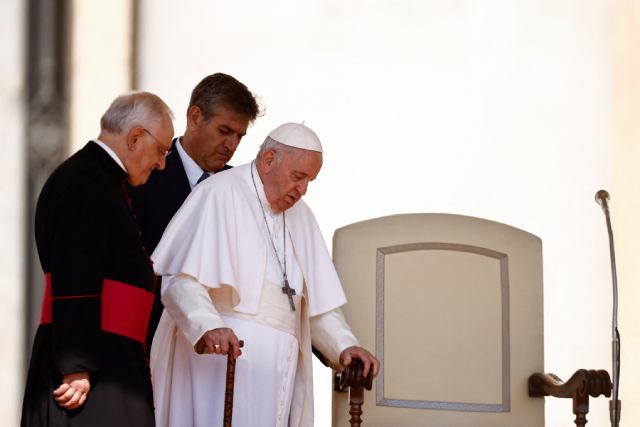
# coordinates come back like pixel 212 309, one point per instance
pixel 287 178
pixel 216 139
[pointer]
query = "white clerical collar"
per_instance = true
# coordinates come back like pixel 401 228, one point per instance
pixel 260 188
pixel 194 172
pixel 110 152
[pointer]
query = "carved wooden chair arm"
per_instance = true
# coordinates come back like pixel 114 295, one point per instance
pixel 581 385
pixel 586 382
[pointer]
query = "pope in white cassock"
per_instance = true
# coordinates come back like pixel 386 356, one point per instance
pixel 244 259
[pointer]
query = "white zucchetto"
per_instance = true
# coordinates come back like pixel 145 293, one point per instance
pixel 296 135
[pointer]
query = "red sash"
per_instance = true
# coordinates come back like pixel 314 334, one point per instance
pixel 125 308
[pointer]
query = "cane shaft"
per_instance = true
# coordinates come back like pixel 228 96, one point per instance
pixel 228 392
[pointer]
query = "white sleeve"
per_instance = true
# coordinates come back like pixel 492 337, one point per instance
pixel 189 304
pixel 331 334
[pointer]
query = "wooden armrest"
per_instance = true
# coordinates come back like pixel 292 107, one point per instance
pixel 581 385
pixel 587 382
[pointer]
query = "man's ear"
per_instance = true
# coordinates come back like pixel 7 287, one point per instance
pixel 134 137
pixel 194 116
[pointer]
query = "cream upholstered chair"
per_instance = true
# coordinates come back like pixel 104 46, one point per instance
pixel 452 306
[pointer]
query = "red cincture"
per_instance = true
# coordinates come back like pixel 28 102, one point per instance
pixel 125 308
pixel 45 315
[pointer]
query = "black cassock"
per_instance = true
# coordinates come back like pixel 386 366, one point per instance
pixel 98 297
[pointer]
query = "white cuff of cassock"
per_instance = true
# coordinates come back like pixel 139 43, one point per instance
pixel 189 304
pixel 331 334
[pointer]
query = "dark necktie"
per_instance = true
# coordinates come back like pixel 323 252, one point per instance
pixel 204 176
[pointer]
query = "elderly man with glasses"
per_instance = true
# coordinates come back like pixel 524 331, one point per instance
pixel 88 364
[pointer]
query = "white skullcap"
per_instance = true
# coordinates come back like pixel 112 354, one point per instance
pixel 296 135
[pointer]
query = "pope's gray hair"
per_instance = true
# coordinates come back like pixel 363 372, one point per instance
pixel 278 148
pixel 134 109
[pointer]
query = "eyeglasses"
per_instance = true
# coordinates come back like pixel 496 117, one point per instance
pixel 161 149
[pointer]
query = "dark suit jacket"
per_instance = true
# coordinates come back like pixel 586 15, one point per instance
pixel 154 204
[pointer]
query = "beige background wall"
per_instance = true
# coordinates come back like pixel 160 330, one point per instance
pixel 101 63
pixel 513 111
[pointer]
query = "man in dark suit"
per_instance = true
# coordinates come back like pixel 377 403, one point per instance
pixel 219 113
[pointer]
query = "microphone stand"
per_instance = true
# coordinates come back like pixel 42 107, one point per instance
pixel 602 198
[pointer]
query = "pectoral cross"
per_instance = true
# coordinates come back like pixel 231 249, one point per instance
pixel 289 292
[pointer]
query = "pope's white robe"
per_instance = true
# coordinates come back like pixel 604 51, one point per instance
pixel 218 238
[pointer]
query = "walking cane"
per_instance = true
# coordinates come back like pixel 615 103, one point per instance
pixel 228 391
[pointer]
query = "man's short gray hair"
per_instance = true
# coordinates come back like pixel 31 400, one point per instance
pixel 134 109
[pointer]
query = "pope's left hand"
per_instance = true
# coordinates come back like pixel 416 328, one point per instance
pixel 368 359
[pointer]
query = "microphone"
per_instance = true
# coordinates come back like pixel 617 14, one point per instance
pixel 602 198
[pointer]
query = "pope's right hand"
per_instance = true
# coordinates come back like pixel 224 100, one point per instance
pixel 219 341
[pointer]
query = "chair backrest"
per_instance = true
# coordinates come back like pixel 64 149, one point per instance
pixel 452 306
